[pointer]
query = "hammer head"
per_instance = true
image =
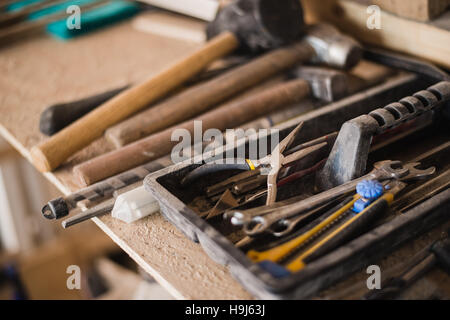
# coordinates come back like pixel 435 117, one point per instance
pixel 260 24
pixel 332 47
pixel 326 84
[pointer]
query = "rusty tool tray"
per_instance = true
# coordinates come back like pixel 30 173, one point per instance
pixel 340 263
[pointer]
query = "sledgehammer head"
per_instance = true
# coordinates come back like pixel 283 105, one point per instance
pixel 260 24
pixel 332 47
pixel 326 84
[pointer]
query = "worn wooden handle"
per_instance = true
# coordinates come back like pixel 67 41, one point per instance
pixel 51 153
pixel 229 115
pixel 203 97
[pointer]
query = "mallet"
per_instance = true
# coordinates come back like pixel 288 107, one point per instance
pixel 251 24
pixel 323 44
pixel 229 115
pixel 58 116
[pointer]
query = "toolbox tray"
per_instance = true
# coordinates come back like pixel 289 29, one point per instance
pixel 325 271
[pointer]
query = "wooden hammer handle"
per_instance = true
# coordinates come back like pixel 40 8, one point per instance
pixel 229 115
pixel 200 98
pixel 54 151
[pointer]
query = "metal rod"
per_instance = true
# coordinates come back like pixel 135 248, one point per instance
pixel 103 208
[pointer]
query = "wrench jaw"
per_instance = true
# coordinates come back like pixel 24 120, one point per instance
pixel 237 218
pixel 250 224
pixel 256 226
pixel 255 222
pixel 417 174
pixel 396 170
pixel 286 225
pixel 390 169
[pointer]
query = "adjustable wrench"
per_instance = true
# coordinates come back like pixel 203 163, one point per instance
pixel 258 220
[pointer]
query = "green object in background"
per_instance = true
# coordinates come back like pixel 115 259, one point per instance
pixel 20 4
pixel 94 19
pixel 59 7
pixel 91 19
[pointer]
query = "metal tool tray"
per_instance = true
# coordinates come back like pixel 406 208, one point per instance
pixel 320 274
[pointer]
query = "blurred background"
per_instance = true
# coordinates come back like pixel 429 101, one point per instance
pixel 35 253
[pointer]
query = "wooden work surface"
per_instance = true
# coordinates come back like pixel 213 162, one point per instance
pixel 41 71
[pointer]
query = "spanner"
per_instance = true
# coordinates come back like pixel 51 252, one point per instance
pixel 259 220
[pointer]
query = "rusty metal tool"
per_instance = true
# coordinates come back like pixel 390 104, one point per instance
pixel 258 220
pixel 322 44
pixel 404 62
pixel 243 177
pixel 349 155
pixel 101 191
pixel 95 211
pixel 239 110
pixel 304 222
pixel 357 214
pixel 230 182
pixel 279 252
pixel 350 228
pixel 423 192
pixel 98 209
pixel 227 200
pixel 236 196
pixel 269 165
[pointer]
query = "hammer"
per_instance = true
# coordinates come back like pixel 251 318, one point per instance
pixel 321 83
pixel 58 116
pixel 254 25
pixel 323 44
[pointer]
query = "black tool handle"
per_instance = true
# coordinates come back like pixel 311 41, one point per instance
pixel 212 168
pixel 407 63
pixel 58 116
pixel 441 249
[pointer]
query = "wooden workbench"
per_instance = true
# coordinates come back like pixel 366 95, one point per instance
pixel 42 71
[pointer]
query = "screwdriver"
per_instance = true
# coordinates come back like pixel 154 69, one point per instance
pixel 363 214
pixel 349 229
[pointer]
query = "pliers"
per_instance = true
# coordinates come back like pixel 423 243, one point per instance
pixel 269 165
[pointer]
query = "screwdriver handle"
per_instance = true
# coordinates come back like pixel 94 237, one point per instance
pixel 58 116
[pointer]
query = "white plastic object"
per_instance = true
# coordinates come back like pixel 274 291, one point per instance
pixel 134 205
pixel 201 9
